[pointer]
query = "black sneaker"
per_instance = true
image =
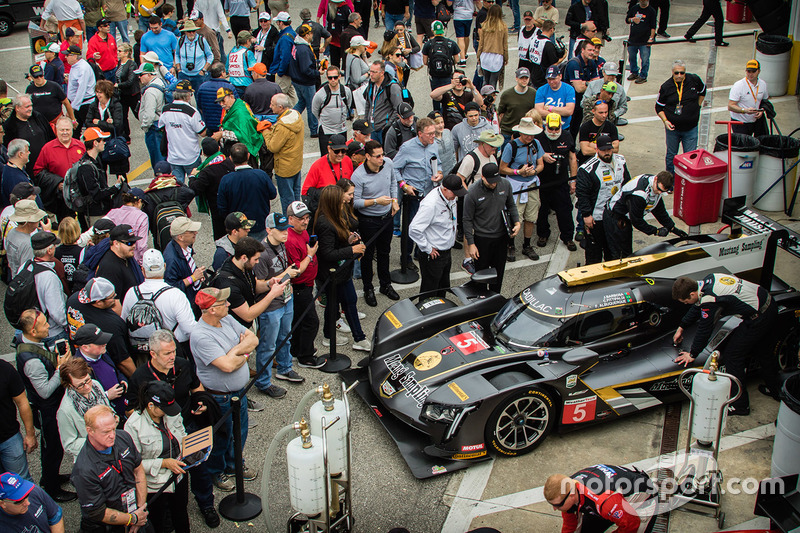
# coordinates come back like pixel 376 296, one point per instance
pixel 738 411
pixel 311 362
pixel 663 34
pixel 571 246
pixel 369 297
pixel 292 376
pixel 210 516
pixel 273 391
pixel 412 267
pixel 766 391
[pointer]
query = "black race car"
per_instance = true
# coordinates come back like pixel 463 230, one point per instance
pixel 453 379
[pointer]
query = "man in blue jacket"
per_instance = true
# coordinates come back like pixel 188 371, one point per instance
pixel 181 269
pixel 304 74
pixel 283 54
pixel 248 190
pixel 207 96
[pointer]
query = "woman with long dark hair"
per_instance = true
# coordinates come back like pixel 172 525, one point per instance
pixel 156 427
pixel 339 245
pixel 106 114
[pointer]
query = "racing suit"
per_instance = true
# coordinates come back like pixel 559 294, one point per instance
pixel 605 495
pixel 733 296
pixel 597 182
pixel 627 209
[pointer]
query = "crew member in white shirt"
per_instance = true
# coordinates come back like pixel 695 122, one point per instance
pixel 744 101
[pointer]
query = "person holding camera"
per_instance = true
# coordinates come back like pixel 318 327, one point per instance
pixel 90 344
pixel 454 97
pixel 182 270
pixel 38 365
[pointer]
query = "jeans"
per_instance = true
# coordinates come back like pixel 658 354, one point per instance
pixel 305 93
pixel 674 138
pixel 181 171
pixel 199 479
pixel 346 299
pixel 196 81
pixel 514 5
pixel 391 20
pixel 123 30
pixel 288 189
pixel 152 139
pixel 90 32
pixel 13 457
pixel 377 135
pixel 144 25
pixel 644 52
pixel 222 454
pixel 273 327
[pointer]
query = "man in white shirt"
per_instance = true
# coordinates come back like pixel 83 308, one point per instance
pixel 434 231
pixel 80 87
pixel 184 128
pixel 176 311
pixel 744 101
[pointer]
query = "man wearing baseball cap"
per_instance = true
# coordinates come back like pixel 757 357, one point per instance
pixel 103 50
pixel 184 127
pixel 266 35
pixel 515 102
pixel 744 101
pixel 97 303
pixel 258 95
pixel 90 344
pixel 556 97
pixel 282 55
pixel 303 253
pixel 361 131
pixel 598 181
pixel 26 507
pixel 237 227
pixel 92 179
pixel 328 169
pixel 609 72
pixel 150 107
pixel 304 72
pixel 47 96
pixel 434 231
pixel 80 86
pixel 54 68
pixel 182 271
pixel 118 264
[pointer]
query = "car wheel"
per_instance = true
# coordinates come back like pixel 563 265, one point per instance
pixel 6 26
pixel 786 344
pixel 520 422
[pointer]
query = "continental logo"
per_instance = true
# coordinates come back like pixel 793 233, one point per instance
pixel 467 456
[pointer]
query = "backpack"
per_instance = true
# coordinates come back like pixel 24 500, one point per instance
pixel 475 167
pixel 201 40
pixel 440 61
pixel 144 319
pixel 164 212
pixel 405 94
pixel 168 96
pixel 329 95
pixel 21 292
pixel 73 197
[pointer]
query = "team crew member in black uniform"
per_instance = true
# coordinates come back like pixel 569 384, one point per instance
pixel 560 163
pixel 490 219
pixel 733 296
pixel 628 207
pixel 598 181
pixel 598 497
pixel 108 476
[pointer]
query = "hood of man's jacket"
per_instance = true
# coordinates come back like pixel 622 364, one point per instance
pixel 292 120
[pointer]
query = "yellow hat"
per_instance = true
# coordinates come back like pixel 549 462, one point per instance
pixel 753 64
pixel 553 121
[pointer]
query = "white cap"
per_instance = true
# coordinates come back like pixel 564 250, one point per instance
pixel 358 40
pixel 54 48
pixel 153 262
pixel 283 16
pixel 264 16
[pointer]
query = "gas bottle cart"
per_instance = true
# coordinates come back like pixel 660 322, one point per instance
pixel 699 484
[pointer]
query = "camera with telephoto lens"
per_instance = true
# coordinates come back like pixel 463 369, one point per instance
pixel 462 80
pixel 189 66
pixel 559 158
pixel 488 99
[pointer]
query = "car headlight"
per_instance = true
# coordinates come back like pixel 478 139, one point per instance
pixel 440 413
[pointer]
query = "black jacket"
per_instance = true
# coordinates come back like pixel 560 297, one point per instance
pixel 333 250
pixel 206 183
pixel 36 130
pixel 127 80
pixel 93 182
pixel 576 15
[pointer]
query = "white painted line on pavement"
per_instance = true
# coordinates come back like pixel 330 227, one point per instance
pixel 535 495
pixel 15 49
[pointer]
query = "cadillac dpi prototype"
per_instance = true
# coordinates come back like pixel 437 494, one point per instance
pixel 454 379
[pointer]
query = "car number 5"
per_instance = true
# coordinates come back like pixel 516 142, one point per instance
pixel 579 410
pixel 466 343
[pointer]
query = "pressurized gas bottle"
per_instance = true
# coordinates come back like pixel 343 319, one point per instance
pixel 330 408
pixel 306 473
pixel 709 392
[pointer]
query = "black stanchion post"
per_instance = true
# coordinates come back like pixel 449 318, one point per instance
pixel 404 276
pixel 335 361
pixel 239 506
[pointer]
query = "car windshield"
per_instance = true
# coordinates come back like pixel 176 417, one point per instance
pixel 517 325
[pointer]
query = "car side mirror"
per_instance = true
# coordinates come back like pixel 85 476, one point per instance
pixel 577 356
pixel 486 276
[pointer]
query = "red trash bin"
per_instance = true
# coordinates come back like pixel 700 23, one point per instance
pixel 738 13
pixel 699 177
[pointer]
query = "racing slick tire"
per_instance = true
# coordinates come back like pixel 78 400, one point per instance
pixel 520 422
pixel 785 344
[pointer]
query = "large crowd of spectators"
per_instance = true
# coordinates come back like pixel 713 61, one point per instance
pixel 126 340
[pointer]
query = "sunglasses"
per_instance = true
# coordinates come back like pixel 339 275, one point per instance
pixel 129 243
pixel 340 151
pixel 398 54
pixel 751 69
pixel 679 72
pixel 333 77
pixel 561 504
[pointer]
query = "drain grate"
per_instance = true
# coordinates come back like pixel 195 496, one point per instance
pixel 669 444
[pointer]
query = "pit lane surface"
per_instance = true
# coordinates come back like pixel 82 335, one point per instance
pixel 385 493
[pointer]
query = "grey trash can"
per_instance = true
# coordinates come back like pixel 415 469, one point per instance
pixel 774 53
pixel 776 153
pixel 785 458
pixel 744 163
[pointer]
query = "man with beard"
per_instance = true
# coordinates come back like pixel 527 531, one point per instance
pixel 560 164
pixel 598 181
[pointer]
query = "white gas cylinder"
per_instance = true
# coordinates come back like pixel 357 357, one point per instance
pixel 306 475
pixel 709 393
pixel 329 408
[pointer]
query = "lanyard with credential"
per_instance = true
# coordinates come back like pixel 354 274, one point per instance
pixel 752 93
pixel 679 90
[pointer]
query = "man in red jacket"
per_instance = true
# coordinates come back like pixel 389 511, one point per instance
pixel 102 49
pixel 600 496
